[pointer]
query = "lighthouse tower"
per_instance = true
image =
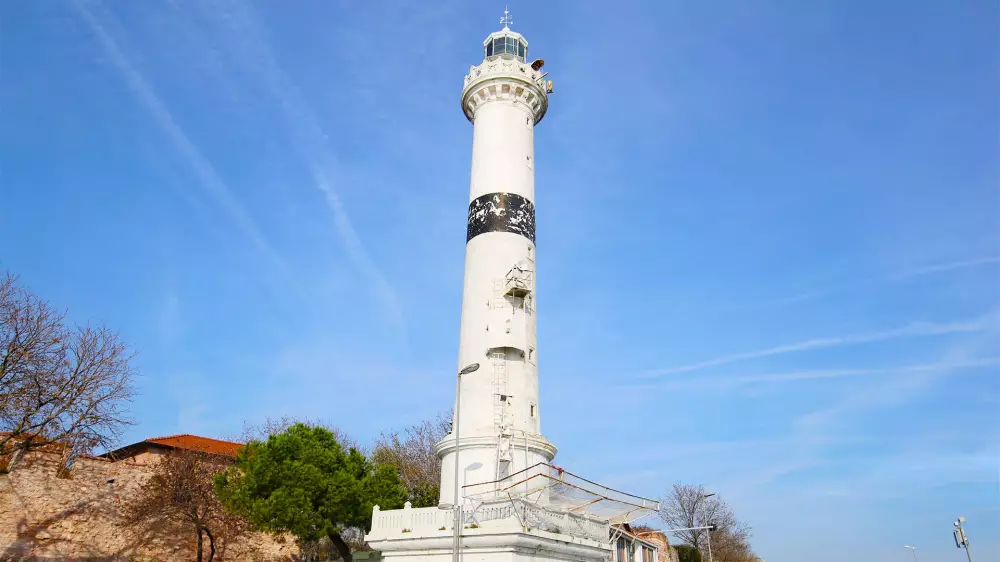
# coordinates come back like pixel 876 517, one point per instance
pixel 501 500
pixel 497 410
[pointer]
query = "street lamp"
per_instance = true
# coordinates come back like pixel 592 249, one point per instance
pixel 961 540
pixel 913 549
pixel 710 527
pixel 457 525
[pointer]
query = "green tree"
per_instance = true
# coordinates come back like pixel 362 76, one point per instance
pixel 687 553
pixel 302 481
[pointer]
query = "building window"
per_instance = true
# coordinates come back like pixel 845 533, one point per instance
pixel 648 554
pixel 621 550
pixel 532 410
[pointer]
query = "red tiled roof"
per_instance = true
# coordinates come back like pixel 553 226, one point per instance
pixel 196 443
pixel 184 441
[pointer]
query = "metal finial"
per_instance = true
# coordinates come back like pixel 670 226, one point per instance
pixel 507 20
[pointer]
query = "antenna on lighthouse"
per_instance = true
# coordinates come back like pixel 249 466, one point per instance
pixel 507 20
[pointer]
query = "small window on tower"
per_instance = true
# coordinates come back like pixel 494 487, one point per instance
pixel 532 410
pixel 489 49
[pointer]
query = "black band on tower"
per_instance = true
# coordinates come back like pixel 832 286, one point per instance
pixel 501 212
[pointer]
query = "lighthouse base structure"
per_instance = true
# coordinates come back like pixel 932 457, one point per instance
pixel 494 533
pixel 540 513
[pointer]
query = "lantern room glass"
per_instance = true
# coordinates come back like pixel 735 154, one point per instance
pixel 507 47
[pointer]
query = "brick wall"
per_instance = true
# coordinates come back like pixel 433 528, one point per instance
pixel 46 517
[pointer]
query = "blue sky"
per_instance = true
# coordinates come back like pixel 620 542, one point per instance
pixel 768 235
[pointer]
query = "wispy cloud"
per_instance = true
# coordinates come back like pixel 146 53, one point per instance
pixel 209 180
pixel 944 267
pixel 808 431
pixel 902 389
pixel 248 42
pixel 890 278
pixel 908 331
pixel 726 382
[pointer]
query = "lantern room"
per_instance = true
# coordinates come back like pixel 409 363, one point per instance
pixel 506 44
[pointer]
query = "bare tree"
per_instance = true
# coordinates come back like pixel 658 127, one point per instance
pixel 179 496
pixel 686 506
pixel 411 452
pixel 273 426
pixel 732 545
pixel 58 384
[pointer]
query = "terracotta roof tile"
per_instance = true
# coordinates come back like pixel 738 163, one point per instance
pixel 196 443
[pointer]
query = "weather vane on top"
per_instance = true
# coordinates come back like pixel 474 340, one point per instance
pixel 507 20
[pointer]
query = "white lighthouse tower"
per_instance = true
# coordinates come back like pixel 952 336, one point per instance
pixel 500 499
pixel 497 409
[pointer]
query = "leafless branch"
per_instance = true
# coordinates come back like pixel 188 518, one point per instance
pixel 179 495
pixel 411 452
pixel 685 506
pixel 58 384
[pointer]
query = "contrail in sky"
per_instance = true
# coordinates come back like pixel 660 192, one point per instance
pixel 911 330
pixel 908 274
pixel 209 179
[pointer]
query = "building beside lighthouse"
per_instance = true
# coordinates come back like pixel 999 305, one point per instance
pixel 514 505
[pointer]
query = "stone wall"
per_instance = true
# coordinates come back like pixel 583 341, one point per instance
pixel 48 516
pixel 667 553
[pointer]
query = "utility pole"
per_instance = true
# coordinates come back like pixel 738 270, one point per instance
pixel 961 541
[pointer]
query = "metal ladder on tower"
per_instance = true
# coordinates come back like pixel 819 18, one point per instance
pixel 505 437
pixel 499 389
pixel 501 399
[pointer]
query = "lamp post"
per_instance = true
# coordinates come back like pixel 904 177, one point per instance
pixel 710 527
pixel 962 541
pixel 913 549
pixel 457 524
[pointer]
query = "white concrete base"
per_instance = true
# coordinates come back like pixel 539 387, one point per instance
pixel 485 547
pixel 499 532
pixel 480 451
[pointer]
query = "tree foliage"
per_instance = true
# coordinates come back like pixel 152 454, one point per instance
pixel 411 453
pixel 179 495
pixel 58 383
pixel 304 482
pixel 687 553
